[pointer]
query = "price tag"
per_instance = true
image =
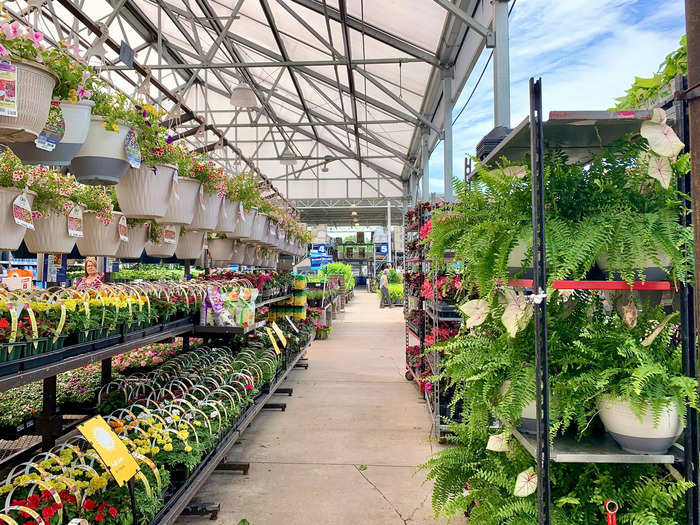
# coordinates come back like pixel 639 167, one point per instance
pixel 110 448
pixel 241 213
pixel 123 229
pixel 8 89
pixel 22 211
pixel 175 182
pixel 75 222
pixel 132 149
pixel 170 234
pixel 296 330
pixel 272 339
pixel 279 333
pixel 54 129
pixel 201 197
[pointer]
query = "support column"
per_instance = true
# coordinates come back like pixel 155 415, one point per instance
pixel 425 154
pixel 388 227
pixel 447 126
pixel 501 66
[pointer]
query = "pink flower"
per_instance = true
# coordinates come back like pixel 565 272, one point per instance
pixel 12 30
pixel 84 93
pixel 35 36
pixel 17 175
pixel 64 192
pixel 3 51
pixel 37 214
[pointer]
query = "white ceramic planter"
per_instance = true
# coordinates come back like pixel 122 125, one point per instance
pixel 143 194
pixel 77 120
pixel 99 239
pixel 206 217
pixel 239 251
pixel 190 245
pixel 635 435
pixel 101 160
pixel 35 87
pixel 11 233
pixel 228 217
pixel 650 270
pixel 221 249
pixel 163 250
pixel 133 248
pixel 50 235
pixel 244 225
pixel 181 210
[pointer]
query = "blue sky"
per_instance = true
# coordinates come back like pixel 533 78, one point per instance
pixel 586 51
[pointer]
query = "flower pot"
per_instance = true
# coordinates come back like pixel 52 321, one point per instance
pixel 259 228
pixel 238 253
pixel 228 216
pixel 244 224
pixel 163 250
pixel 101 159
pixel 251 255
pixel 221 249
pixel 99 239
pixel 77 120
pixel 190 245
pixel 635 435
pixel 206 217
pixel 11 233
pixel 50 235
pixel 144 193
pixel 36 85
pixel 181 211
pixel 650 270
pixel 133 248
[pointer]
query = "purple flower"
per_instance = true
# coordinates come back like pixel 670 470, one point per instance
pixel 148 124
pixel 138 107
pixel 145 113
pixel 170 139
pixel 155 170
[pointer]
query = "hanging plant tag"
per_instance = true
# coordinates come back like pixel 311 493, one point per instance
pixel 132 149
pixel 22 211
pixel 75 222
pixel 296 330
pixel 123 229
pixel 54 129
pixel 8 89
pixel 201 197
pixel 170 235
pixel 175 183
pixel 525 483
pixel 240 212
pixel 279 333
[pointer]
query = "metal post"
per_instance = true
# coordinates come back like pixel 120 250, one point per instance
pixel 425 154
pixel 540 313
pixel 48 414
pixel 501 66
pixel 388 229
pixel 106 371
pixel 447 127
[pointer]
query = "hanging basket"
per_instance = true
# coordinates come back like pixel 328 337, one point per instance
pixel 99 239
pixel 162 249
pixel 259 228
pixel 239 251
pixel 144 193
pixel 251 255
pixel 77 121
pixel 11 233
pixel 50 235
pixel 133 248
pixel 183 203
pixel 244 224
pixel 221 249
pixel 206 215
pixel 228 216
pixel 35 85
pixel 102 159
pixel 190 245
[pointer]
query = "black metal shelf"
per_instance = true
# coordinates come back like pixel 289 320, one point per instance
pixel 227 330
pixel 440 313
pixel 273 300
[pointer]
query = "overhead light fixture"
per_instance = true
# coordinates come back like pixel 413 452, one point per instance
pixel 354 213
pixel 243 96
pixel 288 158
pixel 326 160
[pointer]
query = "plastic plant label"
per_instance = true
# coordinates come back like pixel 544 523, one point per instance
pixel 279 333
pixel 8 89
pixel 201 197
pixel 272 340
pixel 132 149
pixel 75 222
pixel 175 183
pixel 110 448
pixel 241 213
pixel 54 129
pixel 296 330
pixel 123 229
pixel 22 211
pixel 170 234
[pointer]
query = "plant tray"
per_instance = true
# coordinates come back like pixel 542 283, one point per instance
pixel 107 341
pixel 40 360
pixel 11 433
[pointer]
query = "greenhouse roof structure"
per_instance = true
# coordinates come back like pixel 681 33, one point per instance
pixel 335 102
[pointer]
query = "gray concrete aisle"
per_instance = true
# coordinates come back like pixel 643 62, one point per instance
pixel 346 449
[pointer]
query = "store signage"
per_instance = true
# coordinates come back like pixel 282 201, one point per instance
pixel 110 448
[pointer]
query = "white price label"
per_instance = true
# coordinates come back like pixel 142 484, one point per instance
pixel 22 211
pixel 123 229
pixel 75 222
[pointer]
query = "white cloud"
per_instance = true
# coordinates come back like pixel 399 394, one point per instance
pixel 586 51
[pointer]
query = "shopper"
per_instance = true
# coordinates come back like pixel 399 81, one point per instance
pixel 384 289
pixel 91 277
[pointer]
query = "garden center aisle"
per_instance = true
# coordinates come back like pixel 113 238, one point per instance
pixel 346 449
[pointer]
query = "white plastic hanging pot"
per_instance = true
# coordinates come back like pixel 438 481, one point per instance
pixel 639 436
pixel 133 248
pixel 251 255
pixel 144 193
pixel 77 121
pixel 183 203
pixel 259 228
pixel 99 239
pixel 11 233
pixel 206 215
pixel 244 224
pixel 35 85
pixel 238 254
pixel 271 259
pixel 221 249
pixel 650 270
pixel 161 249
pixel 102 159
pixel 50 234
pixel 190 245
pixel 228 216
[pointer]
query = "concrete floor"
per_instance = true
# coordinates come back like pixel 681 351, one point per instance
pixel 346 449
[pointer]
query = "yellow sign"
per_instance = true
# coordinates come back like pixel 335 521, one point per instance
pixel 272 338
pixel 110 448
pixel 280 335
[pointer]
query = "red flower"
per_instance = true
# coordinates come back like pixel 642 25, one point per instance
pixel 19 501
pixel 113 512
pixel 88 504
pixel 100 516
pixel 4 323
pixel 102 507
pixel 33 501
pixel 48 513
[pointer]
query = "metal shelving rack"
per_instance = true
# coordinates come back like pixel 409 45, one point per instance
pixel 416 260
pixel 590 130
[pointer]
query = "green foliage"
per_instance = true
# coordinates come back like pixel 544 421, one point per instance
pixel 338 268
pixel 395 292
pixel 394 277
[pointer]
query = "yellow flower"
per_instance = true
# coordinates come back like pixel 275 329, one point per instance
pixel 115 127
pixel 6 488
pixel 198 423
pixel 168 447
pixel 188 448
pixel 72 93
pixel 155 450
